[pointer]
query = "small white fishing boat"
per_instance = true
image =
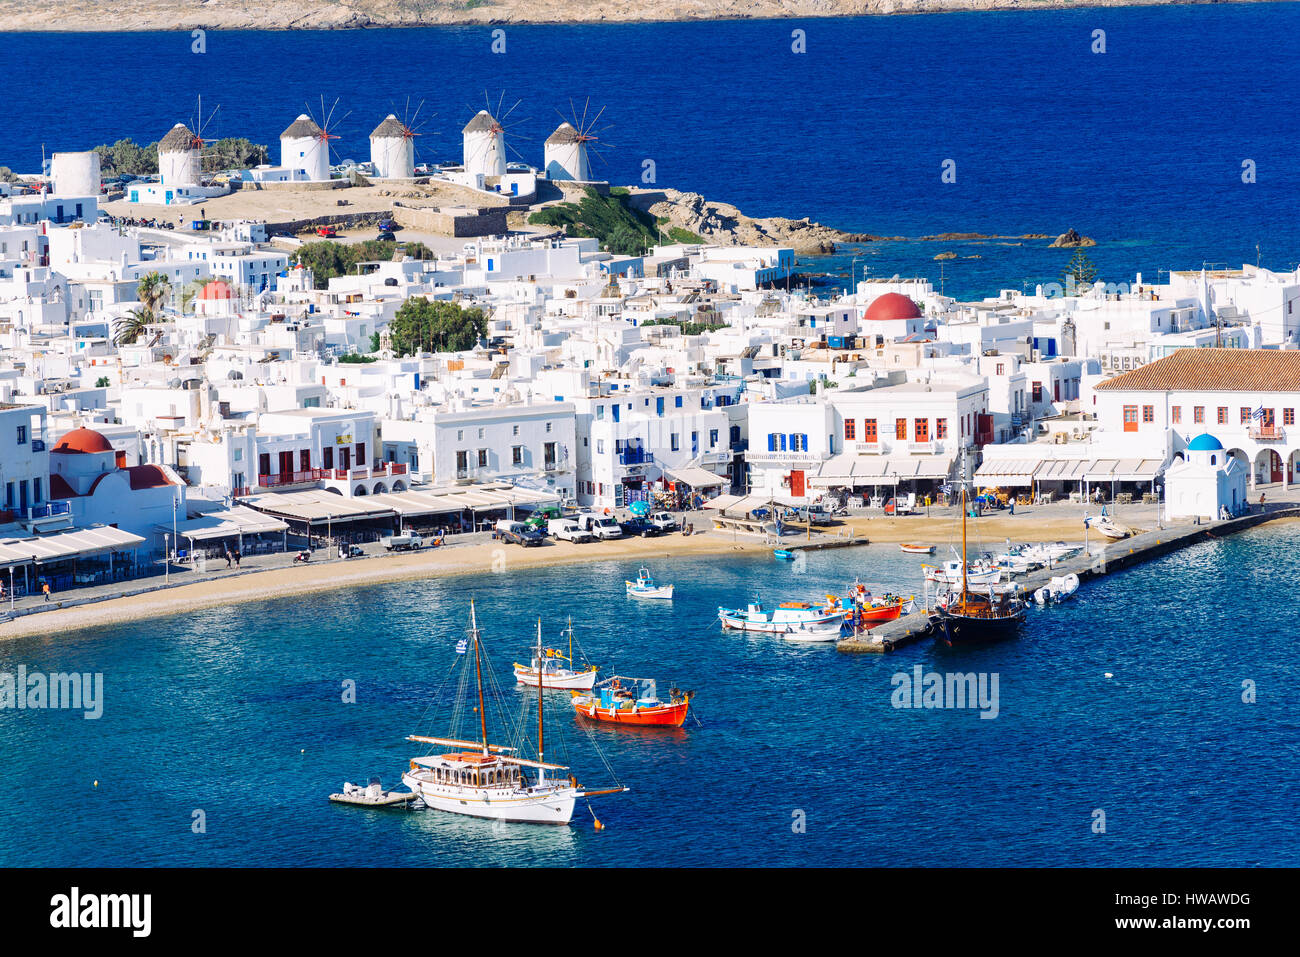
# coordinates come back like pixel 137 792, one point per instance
pixel 1049 553
pixel 790 616
pixel 915 549
pixel 812 634
pixel 646 587
pixel 1059 588
pixel 557 671
pixel 1108 526
pixel 978 572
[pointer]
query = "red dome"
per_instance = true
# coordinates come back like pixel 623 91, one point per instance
pixel 892 306
pixel 83 440
pixel 215 290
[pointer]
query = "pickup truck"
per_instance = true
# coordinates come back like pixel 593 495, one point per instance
pixel 818 515
pixel 405 542
pixel 600 526
pixel 640 526
pixel 567 530
pixel 517 533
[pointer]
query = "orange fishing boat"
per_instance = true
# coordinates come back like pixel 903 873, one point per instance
pixel 635 701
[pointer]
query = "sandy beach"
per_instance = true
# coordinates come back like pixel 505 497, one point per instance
pixel 1043 523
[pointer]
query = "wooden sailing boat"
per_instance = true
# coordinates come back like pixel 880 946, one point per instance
pixel 549 664
pixel 485 780
pixel 971 616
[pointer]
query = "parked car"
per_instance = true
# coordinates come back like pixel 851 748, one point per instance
pixel 402 543
pixel 517 533
pixel 388 226
pixel 640 526
pixel 567 530
pixel 663 521
pixel 818 515
pixel 328 232
pixel 386 237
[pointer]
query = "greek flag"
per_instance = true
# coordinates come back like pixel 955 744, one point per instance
pixel 1258 413
pixel 462 646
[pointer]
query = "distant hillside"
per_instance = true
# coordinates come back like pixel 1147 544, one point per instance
pixel 123 15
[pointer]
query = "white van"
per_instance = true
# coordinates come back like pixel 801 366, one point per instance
pixel 599 526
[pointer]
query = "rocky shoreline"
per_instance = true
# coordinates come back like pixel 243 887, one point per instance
pixel 91 16
pixel 726 225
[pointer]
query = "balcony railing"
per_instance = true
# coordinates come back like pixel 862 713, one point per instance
pixel 292 478
pixel 49 509
pixel 635 457
pixel 368 471
pixel 1268 433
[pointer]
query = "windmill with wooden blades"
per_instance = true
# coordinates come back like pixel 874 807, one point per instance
pixel 180 152
pixel 392 144
pixel 568 151
pixel 484 141
pixel 305 145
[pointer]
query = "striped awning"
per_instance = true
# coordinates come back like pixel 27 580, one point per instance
pixel 1008 472
pixel 1101 470
pixel 1061 470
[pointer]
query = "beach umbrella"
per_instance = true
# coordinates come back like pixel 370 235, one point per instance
pixel 639 509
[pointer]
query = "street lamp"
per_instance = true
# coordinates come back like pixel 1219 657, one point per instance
pixel 167 558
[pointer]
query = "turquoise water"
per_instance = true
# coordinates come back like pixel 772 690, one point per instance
pixel 1140 147
pixel 237 711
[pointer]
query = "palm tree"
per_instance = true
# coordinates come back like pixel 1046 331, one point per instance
pixel 152 291
pixel 130 327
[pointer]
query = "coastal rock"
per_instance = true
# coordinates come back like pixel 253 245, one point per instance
pixel 726 225
pixel 1071 239
pixel 948 255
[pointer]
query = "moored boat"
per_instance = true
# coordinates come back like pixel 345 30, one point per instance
pixel 914 549
pixel 634 701
pixel 1060 588
pixel 971 615
pixel 784 554
pixel 787 617
pixel 555 668
pixel 646 587
pixel 975 573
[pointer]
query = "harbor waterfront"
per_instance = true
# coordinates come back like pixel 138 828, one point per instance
pixel 247 699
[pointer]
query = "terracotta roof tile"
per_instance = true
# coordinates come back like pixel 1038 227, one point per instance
pixel 1213 370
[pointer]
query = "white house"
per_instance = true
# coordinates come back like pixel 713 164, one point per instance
pixel 1205 483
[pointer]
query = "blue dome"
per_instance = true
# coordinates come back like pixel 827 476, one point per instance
pixel 1205 442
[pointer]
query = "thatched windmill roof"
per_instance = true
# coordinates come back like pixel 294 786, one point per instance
pixel 483 122
pixel 179 139
pixel 392 127
pixel 301 128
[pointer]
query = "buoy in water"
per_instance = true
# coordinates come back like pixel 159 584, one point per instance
pixel 599 826
pixel 1109 675
pixel 96 784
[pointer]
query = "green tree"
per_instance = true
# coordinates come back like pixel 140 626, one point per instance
pixel 327 259
pixel 423 325
pixel 127 156
pixel 620 228
pixel 102 382
pixel 1080 270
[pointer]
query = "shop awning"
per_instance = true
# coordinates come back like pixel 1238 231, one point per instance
pixel 1007 472
pixel 316 507
pixel 1101 470
pixel 1061 470
pixel 66 545
pixel 227 523
pixel 929 466
pixel 696 477
pixel 1138 470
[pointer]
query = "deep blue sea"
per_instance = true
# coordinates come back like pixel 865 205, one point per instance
pixel 1140 148
pixel 238 712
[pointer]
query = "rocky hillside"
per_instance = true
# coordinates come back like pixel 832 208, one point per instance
pixel 725 224
pixel 123 15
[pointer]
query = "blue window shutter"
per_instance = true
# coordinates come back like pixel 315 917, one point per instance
pixel 771 441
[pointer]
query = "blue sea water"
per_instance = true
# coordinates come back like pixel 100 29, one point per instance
pixel 1140 147
pixel 238 712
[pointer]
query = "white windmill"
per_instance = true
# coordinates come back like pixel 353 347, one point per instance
pixel 567 152
pixel 305 145
pixel 392 145
pixel 180 152
pixel 484 143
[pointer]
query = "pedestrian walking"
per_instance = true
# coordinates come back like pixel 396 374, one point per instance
pixel 227 557
pixel 45 588
pixel 236 557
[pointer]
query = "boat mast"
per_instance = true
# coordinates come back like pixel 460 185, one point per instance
pixel 478 673
pixel 963 545
pixel 541 772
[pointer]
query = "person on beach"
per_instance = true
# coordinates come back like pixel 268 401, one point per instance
pixel 1013 506
pixel 45 589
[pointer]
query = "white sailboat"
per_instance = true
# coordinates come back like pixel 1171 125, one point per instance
pixel 480 779
pixel 551 665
